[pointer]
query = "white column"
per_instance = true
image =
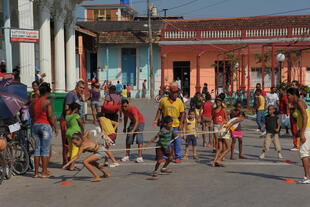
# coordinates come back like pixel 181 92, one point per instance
pixel 71 76
pixel 45 40
pixel 60 84
pixel 27 53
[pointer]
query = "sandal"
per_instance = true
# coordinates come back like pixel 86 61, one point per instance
pixel 44 176
pixel 36 176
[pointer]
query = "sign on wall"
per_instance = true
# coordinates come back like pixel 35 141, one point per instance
pixel 24 35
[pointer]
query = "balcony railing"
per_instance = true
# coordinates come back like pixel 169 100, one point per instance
pixel 255 33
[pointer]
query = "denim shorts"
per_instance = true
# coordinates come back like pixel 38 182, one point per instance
pixel 96 104
pixel 43 136
pixel 138 136
pixel 191 140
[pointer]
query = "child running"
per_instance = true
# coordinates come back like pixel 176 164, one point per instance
pixel 191 134
pixel 108 128
pixel 165 136
pixel 237 133
pixel 86 145
pixel 74 124
pixel 272 123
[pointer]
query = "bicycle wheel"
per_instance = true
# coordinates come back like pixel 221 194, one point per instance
pixel 20 158
pixel 2 167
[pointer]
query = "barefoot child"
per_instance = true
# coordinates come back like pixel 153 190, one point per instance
pixel 273 125
pixel 165 136
pixel 191 134
pixel 74 124
pixel 108 128
pixel 237 133
pixel 86 145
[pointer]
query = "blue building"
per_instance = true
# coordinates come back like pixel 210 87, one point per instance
pixel 123 53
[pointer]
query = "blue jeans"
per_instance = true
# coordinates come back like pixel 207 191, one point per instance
pixel 260 120
pixel 178 150
pixel 43 136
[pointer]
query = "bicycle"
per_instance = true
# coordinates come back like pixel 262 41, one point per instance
pixel 6 161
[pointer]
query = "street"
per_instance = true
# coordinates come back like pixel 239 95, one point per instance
pixel 248 183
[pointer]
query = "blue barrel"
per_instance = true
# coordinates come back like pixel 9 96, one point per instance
pixel 124 1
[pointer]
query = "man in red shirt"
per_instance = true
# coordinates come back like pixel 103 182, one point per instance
pixel 134 130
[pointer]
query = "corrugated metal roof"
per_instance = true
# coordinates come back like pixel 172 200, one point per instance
pixel 120 26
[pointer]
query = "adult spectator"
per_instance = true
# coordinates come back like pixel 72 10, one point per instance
pixel 111 104
pixel 95 100
pixel 72 97
pixel 43 127
pixel 295 84
pixel 144 88
pixel 260 111
pixel 134 130
pixel 172 106
pixel 301 113
pixel 39 77
pixel 119 88
pixel 272 98
pixel 179 83
pixel 205 89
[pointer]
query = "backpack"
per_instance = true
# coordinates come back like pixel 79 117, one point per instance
pixel 110 107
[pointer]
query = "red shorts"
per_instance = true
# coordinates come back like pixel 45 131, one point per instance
pixel 112 137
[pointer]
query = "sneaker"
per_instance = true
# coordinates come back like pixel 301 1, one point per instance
pixel 258 130
pixel 106 164
pixel 125 159
pixel 165 170
pixel 139 160
pixel 178 161
pixel 280 156
pixel 304 181
pixel 263 133
pixel 155 174
pixel 294 149
pixel 116 164
pixel 262 156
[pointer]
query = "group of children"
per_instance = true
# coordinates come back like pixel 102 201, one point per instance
pixel 224 130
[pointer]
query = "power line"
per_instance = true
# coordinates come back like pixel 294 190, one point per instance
pixel 283 12
pixel 205 7
pixel 182 5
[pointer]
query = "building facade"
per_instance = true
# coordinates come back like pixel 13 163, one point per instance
pixel 235 53
pixel 55 54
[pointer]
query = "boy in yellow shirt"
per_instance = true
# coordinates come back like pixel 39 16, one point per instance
pixel 108 128
pixel 190 126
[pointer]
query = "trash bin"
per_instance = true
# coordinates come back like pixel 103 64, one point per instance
pixel 57 100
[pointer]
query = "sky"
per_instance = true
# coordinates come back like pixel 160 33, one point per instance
pixel 190 9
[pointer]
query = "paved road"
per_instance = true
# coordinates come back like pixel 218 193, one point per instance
pixel 248 183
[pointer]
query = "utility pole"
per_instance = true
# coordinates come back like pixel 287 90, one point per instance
pixel 7 41
pixel 152 81
pixel 165 12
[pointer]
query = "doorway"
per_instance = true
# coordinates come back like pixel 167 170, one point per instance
pixel 181 69
pixel 223 78
pixel 129 64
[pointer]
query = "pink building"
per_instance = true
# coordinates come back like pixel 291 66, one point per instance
pixel 235 53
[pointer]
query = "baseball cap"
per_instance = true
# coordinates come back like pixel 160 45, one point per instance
pixel 174 89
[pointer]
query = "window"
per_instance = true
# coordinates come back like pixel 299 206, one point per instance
pixel 308 76
pixel 256 76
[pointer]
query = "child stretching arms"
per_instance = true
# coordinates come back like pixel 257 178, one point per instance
pixel 165 136
pixel 87 145
pixel 273 125
pixel 237 133
pixel 191 134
